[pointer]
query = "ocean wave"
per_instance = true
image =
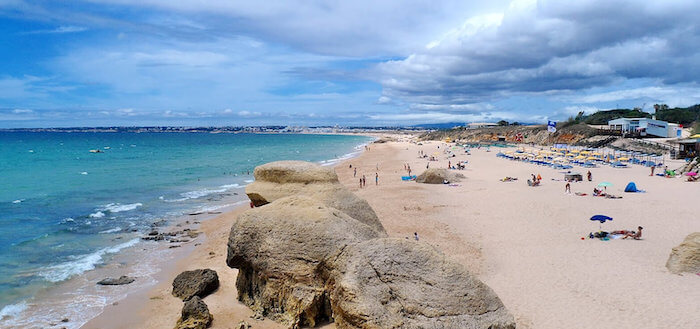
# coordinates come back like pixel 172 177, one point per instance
pixel 203 192
pixel 81 264
pixel 18 201
pixel 113 230
pixel 118 207
pixel 12 310
pixel 98 214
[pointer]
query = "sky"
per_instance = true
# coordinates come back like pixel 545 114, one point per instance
pixel 360 62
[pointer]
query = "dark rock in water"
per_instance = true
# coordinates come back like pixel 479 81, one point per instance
pixel 200 283
pixel 195 315
pixel 64 320
pixel 153 233
pixel 122 280
pixel 175 246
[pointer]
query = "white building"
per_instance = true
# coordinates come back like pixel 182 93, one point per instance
pixel 475 125
pixel 645 126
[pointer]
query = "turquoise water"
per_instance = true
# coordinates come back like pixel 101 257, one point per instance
pixel 61 206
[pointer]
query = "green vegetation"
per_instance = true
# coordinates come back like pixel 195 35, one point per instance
pixel 683 115
pixel 602 117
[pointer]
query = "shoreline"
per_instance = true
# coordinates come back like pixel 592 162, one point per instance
pixel 136 301
pixel 525 243
pixel 147 261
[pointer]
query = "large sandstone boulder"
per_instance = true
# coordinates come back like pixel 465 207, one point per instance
pixel 195 283
pixel 686 256
pixel 438 176
pixel 279 249
pixel 195 315
pixel 398 283
pixel 279 179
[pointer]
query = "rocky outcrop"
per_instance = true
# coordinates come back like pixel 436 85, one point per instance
pixel 438 176
pixel 195 315
pixel 397 283
pixel 686 256
pixel 280 179
pixel 122 280
pixel 200 283
pixel 279 249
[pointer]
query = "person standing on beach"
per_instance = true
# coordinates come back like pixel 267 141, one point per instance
pixel 354 173
pixel 567 189
pixel 415 236
pixel 589 175
pixel 364 181
pixel 360 182
pixel 376 178
pixel 652 170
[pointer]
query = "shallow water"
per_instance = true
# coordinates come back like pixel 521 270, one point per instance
pixel 65 211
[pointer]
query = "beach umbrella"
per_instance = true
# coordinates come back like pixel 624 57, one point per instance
pixel 602 219
pixel 595 153
pixel 591 158
pixel 695 136
pixel 605 184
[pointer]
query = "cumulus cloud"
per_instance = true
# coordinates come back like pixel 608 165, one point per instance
pixel 550 46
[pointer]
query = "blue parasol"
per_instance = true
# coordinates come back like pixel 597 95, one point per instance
pixel 601 219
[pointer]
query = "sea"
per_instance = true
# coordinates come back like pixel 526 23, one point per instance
pixel 73 203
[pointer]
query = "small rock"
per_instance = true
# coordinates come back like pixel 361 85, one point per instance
pixel 175 246
pixel 195 315
pixel 153 233
pixel 122 280
pixel 243 325
pixel 212 253
pixel 200 283
pixel 64 320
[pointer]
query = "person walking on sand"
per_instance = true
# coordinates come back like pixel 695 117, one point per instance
pixel 376 178
pixel 354 172
pixel 589 175
pixel 652 170
pixel 415 236
pixel 364 181
pixel 360 182
pixel 567 189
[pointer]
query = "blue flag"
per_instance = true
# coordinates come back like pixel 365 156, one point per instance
pixel 552 123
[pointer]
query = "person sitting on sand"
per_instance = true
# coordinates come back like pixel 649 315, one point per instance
pixel 597 192
pixel 692 178
pixel 636 236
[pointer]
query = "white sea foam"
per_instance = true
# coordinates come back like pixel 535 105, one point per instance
pixel 12 310
pixel 114 230
pixel 98 214
pixel 68 219
pixel 18 201
pixel 81 264
pixel 249 180
pixel 118 207
pixel 84 173
pixel 203 192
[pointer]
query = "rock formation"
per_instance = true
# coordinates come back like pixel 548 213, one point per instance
pixel 398 283
pixel 438 176
pixel 278 249
pixel 116 281
pixel 195 283
pixel 315 251
pixel 279 179
pixel 686 256
pixel 195 315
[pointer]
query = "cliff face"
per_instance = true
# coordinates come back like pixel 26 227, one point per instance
pixel 303 258
pixel 515 134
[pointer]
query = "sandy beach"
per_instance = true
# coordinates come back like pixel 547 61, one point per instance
pixel 524 242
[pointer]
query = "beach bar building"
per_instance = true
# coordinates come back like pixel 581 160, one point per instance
pixel 645 127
